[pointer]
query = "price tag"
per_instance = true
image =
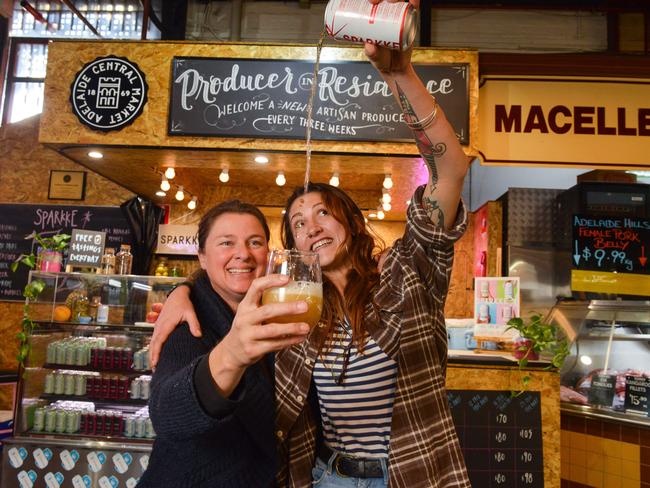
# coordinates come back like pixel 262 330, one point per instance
pixel 603 388
pixel 637 389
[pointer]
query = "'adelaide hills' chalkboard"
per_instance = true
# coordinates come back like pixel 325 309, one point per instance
pixel 268 98
pixel 19 220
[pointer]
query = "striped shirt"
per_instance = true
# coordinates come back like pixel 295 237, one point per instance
pixel 356 414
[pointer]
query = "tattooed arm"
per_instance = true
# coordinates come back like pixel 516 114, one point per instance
pixel 438 144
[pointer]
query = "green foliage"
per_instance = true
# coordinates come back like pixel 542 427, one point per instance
pixel 546 339
pixel 33 289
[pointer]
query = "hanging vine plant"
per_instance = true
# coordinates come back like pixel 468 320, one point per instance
pixel 34 288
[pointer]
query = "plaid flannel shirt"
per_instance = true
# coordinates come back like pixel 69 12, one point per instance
pixel 407 322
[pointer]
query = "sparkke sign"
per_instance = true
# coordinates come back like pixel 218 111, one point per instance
pixel 268 98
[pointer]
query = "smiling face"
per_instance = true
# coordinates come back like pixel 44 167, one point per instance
pixel 314 228
pixel 234 255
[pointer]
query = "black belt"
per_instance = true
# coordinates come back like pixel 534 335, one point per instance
pixel 351 467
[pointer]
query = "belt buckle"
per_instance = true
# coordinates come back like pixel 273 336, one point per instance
pixel 336 466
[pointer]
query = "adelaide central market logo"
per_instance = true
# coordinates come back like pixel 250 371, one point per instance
pixel 108 93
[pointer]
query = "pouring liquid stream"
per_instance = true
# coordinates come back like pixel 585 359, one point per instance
pixel 310 108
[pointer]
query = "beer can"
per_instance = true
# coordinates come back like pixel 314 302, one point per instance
pixel 59 384
pixel 145 388
pixel 51 353
pixel 149 432
pixel 391 25
pixel 70 354
pixel 135 389
pixel 59 353
pixel 140 427
pixel 80 385
pixel 49 384
pixel 50 420
pixel 138 360
pixel 60 421
pixel 129 426
pixel 70 422
pixel 68 382
pixel 39 420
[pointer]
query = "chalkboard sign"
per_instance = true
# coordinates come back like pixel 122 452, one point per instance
pixel 637 390
pixel 500 436
pixel 611 244
pixel 19 220
pixel 268 98
pixel 86 248
pixel 603 389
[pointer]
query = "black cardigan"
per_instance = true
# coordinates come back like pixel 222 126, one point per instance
pixel 204 440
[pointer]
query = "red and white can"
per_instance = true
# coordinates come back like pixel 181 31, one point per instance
pixel 391 25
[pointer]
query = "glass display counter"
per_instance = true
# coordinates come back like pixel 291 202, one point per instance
pixel 81 412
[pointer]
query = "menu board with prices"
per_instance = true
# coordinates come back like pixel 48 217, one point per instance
pixel 611 244
pixel 20 220
pixel 637 391
pixel 500 436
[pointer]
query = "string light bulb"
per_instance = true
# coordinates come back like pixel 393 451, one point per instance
pixel 180 195
pixel 386 198
pixel 386 206
pixel 170 173
pixel 280 180
pixel 380 214
pixel 224 176
pixel 164 184
pixel 334 180
pixel 261 159
pixel 192 203
pixel 388 182
pixel 161 193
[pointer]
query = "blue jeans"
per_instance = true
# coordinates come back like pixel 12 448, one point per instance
pixel 324 476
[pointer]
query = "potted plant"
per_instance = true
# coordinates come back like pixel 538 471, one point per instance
pixel 50 256
pixel 54 246
pixel 537 337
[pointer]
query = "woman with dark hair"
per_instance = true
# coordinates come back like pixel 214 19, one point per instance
pixel 212 402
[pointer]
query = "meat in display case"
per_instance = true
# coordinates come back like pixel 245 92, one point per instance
pixel 608 371
pixel 81 412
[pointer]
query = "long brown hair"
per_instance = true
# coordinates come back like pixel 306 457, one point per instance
pixel 359 246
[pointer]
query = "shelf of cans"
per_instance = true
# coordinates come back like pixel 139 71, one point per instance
pixel 94 385
pixel 92 352
pixel 70 417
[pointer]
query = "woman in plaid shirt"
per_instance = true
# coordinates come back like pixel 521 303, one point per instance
pixel 362 401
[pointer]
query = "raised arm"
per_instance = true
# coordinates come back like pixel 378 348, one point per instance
pixel 434 136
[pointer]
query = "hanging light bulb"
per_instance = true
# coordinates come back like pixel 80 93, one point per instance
pixel 385 198
pixel 334 180
pixel 170 173
pixel 261 159
pixel 192 203
pixel 161 193
pixel 388 182
pixel 386 206
pixel 380 214
pixel 180 195
pixel 280 180
pixel 224 176
pixel 164 184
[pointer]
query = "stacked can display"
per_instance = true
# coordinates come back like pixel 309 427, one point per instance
pixel 73 351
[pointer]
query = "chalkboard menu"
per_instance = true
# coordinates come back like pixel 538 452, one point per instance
pixel 637 390
pixel 611 243
pixel 603 389
pixel 500 436
pixel 19 220
pixel 268 98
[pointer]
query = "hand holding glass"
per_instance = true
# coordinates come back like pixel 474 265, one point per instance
pixel 303 269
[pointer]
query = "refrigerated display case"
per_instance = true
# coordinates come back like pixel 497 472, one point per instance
pixel 607 375
pixel 81 412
